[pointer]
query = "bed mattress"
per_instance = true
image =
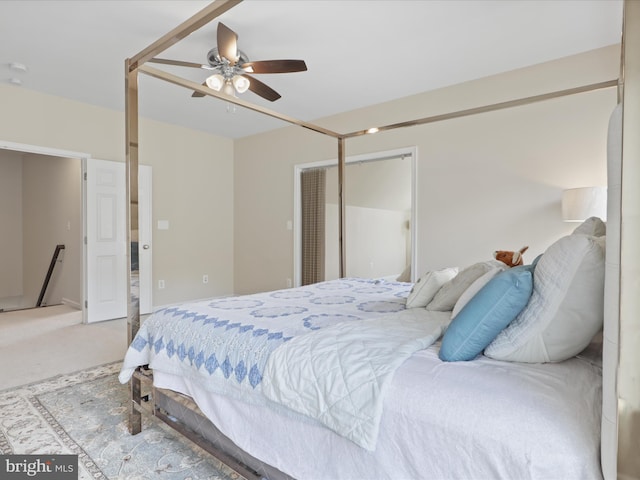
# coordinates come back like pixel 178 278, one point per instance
pixel 464 420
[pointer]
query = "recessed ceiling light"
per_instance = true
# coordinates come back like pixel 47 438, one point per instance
pixel 18 67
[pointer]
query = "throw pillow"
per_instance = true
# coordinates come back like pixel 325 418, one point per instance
pixel 486 314
pixel 566 307
pixel 448 295
pixel 591 226
pixel 428 285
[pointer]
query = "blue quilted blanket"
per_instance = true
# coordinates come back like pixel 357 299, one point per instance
pixel 224 344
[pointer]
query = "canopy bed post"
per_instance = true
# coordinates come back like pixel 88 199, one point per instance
pixel 132 65
pixel 133 298
pixel 628 379
pixel 342 247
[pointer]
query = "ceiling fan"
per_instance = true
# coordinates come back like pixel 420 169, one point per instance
pixel 231 66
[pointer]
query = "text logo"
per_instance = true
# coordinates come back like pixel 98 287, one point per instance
pixel 50 467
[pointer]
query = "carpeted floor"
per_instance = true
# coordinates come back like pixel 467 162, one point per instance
pixel 85 413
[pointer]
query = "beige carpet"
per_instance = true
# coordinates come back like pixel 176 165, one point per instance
pixel 43 342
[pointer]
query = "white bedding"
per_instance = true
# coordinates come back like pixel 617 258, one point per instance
pixel 338 375
pixel 483 419
pixel 225 343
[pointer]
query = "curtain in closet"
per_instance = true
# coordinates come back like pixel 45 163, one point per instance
pixel 313 188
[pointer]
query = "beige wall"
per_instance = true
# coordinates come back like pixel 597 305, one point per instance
pixel 193 190
pixel 200 238
pixel 263 202
pixel 11 231
pixel 486 182
pixel 52 215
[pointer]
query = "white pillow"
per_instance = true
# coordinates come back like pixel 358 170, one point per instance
pixel 565 310
pixel 474 288
pixel 428 285
pixel 592 226
pixel 448 295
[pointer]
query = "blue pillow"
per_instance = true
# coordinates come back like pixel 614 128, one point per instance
pixel 487 314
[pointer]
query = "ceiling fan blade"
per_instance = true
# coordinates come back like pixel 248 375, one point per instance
pixel 275 66
pixel 179 63
pixel 227 43
pixel 198 94
pixel 259 88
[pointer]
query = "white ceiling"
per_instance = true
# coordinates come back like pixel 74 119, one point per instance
pixel 358 52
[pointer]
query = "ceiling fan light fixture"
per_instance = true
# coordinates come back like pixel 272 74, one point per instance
pixel 228 89
pixel 215 82
pixel 230 66
pixel 241 83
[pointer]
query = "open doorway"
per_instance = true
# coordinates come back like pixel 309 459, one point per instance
pixel 47 203
pixel 41 198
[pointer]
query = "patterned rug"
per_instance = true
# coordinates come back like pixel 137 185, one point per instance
pixel 85 414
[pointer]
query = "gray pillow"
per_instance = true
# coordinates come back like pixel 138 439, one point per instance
pixel 592 226
pixel 448 295
pixel 428 285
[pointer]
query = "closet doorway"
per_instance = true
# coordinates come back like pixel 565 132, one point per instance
pixel 380 203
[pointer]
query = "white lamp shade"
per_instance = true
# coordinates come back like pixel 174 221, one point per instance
pixel 578 204
pixel 240 83
pixel 228 88
pixel 215 82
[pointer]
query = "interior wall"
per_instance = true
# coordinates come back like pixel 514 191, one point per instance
pixel 52 215
pixel 200 237
pixel 193 191
pixel 263 203
pixel 485 182
pixel 11 232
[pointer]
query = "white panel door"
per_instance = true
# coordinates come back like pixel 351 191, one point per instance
pixel 106 241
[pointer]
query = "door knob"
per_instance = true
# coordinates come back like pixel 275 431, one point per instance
pixel 146 247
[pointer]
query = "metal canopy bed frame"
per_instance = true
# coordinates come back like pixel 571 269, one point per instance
pixel 621 383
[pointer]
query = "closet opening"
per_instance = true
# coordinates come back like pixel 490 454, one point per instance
pixel 380 217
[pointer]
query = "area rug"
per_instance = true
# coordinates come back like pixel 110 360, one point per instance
pixel 85 414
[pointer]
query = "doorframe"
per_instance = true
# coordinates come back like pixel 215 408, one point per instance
pixel 411 151
pixel 83 157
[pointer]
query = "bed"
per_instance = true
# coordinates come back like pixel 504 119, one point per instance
pixel 482 418
pixel 342 380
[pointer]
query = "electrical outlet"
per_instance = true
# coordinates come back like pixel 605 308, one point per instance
pixel 160 284
pixel 205 279
pixel 289 283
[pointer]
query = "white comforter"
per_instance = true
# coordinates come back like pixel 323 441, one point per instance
pixel 338 375
pixel 224 343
